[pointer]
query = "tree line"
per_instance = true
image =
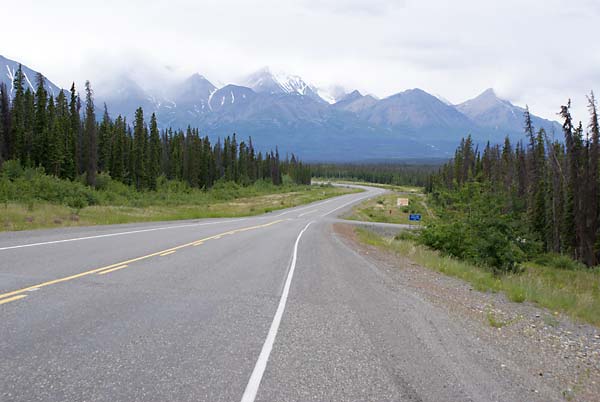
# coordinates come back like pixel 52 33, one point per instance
pixel 549 189
pixel 64 136
pixel 413 174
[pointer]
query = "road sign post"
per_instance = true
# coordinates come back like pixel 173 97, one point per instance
pixel 413 218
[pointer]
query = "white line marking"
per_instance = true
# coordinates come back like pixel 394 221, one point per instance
pixel 348 203
pixel 306 213
pixel 309 206
pixel 117 234
pixel 263 358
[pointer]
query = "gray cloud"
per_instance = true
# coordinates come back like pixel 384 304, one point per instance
pixel 539 52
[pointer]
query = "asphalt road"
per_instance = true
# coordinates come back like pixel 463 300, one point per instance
pixel 268 308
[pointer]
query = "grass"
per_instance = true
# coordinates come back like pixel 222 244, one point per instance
pixel 384 209
pixel 253 200
pixel 575 292
pixel 494 321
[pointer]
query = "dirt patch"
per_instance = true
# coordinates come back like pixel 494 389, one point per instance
pixel 549 345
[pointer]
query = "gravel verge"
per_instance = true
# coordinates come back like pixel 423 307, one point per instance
pixel 564 354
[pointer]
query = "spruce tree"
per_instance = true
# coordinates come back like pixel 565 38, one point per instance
pixel 154 153
pixel 139 150
pixel 53 156
pixel 90 134
pixel 593 184
pixel 538 208
pixel 5 123
pixel 63 136
pixel 117 160
pixel 29 128
pixel 105 138
pixel 39 138
pixel 16 137
pixel 75 140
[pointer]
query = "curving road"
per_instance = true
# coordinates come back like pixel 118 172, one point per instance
pixel 267 308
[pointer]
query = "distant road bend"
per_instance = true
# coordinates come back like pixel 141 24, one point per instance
pixel 268 308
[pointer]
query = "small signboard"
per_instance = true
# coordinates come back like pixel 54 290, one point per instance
pixel 414 217
pixel 402 202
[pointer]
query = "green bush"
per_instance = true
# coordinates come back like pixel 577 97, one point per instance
pixel 559 261
pixel 406 235
pixel 473 227
pixel 12 169
pixel 28 184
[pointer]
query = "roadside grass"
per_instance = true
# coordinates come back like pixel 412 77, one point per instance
pixel 575 292
pixel 384 209
pixel 146 207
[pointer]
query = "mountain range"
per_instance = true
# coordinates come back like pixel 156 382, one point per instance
pixel 318 125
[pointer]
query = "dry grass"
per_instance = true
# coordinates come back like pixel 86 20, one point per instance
pixel 19 216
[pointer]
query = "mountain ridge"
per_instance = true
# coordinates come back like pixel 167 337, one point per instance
pixel 285 110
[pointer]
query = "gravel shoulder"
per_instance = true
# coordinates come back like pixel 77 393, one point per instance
pixel 562 354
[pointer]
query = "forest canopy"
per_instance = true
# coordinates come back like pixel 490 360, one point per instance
pixel 63 136
pixel 506 203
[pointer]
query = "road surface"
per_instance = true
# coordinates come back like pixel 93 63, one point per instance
pixel 267 308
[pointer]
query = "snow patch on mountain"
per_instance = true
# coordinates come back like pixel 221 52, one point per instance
pixel 29 75
pixel 277 83
pixel 443 99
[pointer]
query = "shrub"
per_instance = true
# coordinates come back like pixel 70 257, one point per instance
pixel 29 184
pixel 12 169
pixel 559 261
pixel 474 226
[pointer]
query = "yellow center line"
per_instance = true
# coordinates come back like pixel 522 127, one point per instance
pixel 119 264
pixel 112 269
pixel 167 253
pixel 10 299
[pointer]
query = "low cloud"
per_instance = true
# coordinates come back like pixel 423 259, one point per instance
pixel 539 52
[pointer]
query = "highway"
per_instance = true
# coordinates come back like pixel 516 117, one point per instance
pixel 268 308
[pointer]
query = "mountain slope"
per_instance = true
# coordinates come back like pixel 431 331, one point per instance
pixel 125 96
pixel 490 111
pixel 415 109
pixel 8 70
pixel 355 102
pixel 195 91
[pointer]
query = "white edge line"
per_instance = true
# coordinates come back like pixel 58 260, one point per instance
pixel 306 213
pixel 116 234
pixel 309 206
pixel 161 228
pixel 348 203
pixel 261 364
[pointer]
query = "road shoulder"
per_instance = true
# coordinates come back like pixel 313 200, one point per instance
pixel 562 354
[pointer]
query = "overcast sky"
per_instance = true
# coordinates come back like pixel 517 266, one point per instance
pixel 538 52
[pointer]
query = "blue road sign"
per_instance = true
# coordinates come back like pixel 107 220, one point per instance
pixel 414 217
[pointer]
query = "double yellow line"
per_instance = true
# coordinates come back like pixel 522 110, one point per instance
pixel 17 294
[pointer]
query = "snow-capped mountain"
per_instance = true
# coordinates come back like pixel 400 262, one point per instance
pixel 123 95
pixel 231 98
pixel 265 81
pixel 196 89
pixel 317 124
pixel 332 94
pixel 8 70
